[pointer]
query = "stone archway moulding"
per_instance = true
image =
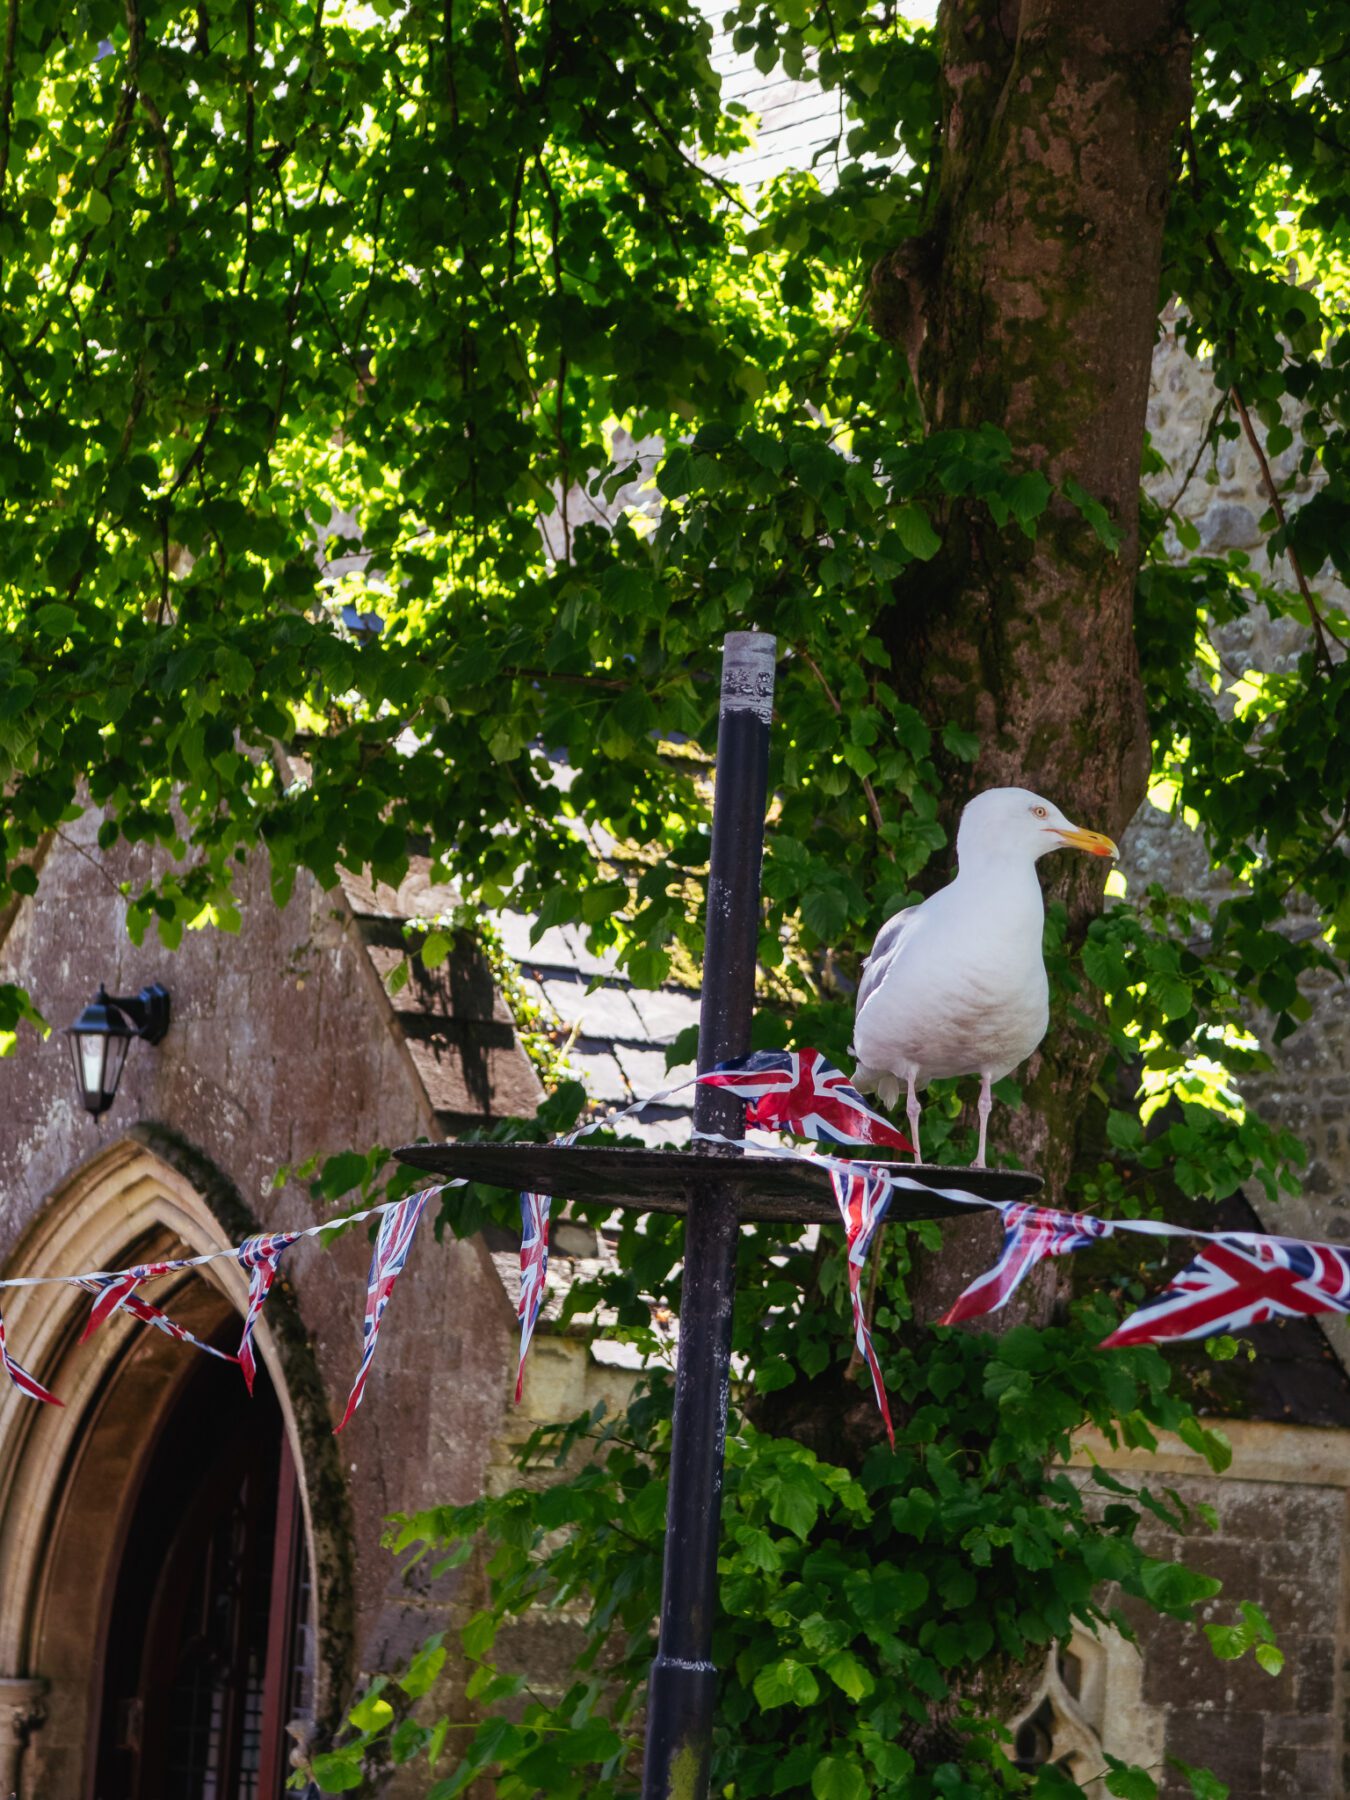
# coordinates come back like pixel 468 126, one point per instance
pixel 57 1550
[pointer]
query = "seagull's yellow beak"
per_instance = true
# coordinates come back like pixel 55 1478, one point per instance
pixel 1092 841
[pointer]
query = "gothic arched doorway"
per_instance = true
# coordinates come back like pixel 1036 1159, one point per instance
pixel 208 1652
pixel 158 1487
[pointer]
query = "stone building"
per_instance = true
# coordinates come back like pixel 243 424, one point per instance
pixel 160 1508
pixel 184 1572
pixel 1283 1537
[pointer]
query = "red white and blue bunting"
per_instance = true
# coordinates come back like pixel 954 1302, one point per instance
pixel 1239 1280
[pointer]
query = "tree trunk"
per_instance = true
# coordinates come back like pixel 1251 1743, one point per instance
pixel 1032 304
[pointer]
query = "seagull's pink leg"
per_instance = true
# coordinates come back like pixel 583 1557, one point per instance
pixel 986 1106
pixel 912 1108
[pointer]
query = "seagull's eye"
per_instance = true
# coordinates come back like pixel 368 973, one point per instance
pixel 1039 812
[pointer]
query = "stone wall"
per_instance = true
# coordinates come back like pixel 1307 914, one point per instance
pixel 283 1044
pixel 1308 1091
pixel 1281 1541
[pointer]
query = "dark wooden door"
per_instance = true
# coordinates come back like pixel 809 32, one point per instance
pixel 207 1640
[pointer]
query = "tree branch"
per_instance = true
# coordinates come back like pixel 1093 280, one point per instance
pixel 873 805
pixel 7 97
pixel 1320 628
pixel 1189 476
pixel 1318 625
pixel 664 131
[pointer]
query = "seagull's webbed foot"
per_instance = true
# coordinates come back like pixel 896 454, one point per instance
pixel 912 1111
pixel 985 1108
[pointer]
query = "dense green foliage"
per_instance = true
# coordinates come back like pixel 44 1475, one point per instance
pixel 854 1602
pixel 270 269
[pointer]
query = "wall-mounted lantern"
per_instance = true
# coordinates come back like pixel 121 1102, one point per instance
pixel 100 1036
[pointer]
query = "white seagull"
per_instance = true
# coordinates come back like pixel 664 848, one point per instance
pixel 956 986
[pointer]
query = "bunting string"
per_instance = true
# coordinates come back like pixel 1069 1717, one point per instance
pixel 1241 1279
pixel 115 1290
pixel 140 1308
pixel 1030 1234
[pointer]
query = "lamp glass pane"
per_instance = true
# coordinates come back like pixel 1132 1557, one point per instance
pixel 112 1067
pixel 93 1052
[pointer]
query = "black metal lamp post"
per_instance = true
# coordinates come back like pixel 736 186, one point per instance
pixel 716 1193
pixel 100 1036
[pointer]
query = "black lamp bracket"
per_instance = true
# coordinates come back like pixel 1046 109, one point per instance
pixel 147 1013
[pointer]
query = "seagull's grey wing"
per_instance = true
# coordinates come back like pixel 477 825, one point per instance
pixel 890 940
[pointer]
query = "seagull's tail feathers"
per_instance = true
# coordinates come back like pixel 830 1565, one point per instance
pixel 880 1082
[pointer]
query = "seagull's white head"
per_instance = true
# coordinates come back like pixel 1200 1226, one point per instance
pixel 1015 824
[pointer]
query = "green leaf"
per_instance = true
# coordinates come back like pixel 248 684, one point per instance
pixel 1128 1783
pixel 56 619
pixel 1209 1440
pixel 1095 514
pixel 343 1172
pixel 1204 1785
pixel 478 1634
pixel 964 745
pixel 793 1503
pixel 648 965
pixel 371 1714
pixel 838 1778
pixel 1174 1588
pixel 420 1675
pixel 846 1672
pixel 916 533
pixel 337 1771
pixel 786 1683
pixel 436 946
pixel 1028 497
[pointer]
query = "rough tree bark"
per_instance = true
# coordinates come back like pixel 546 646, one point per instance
pixel 1031 303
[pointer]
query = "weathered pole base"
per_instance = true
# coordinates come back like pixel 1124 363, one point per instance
pixel 680 1699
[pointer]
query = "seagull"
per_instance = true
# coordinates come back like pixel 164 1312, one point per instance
pixel 956 985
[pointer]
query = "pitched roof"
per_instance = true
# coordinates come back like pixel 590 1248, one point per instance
pixel 462 1037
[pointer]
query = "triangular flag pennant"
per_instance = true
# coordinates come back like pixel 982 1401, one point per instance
pixel 1240 1281
pixel 392 1244
pixel 863 1193
pixel 533 1267
pixel 20 1376
pixel 261 1256
pixel 1030 1234
pixel 114 1292
pixel 139 1308
pixel 799 1091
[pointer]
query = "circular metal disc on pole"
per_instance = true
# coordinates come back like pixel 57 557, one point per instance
pixel 765 1189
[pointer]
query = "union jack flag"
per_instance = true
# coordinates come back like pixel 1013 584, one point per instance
pixel 1030 1234
pixel 20 1376
pixel 1239 1281
pixel 261 1256
pixel 798 1090
pixel 533 1268
pixel 862 1194
pixel 116 1293
pixel 392 1244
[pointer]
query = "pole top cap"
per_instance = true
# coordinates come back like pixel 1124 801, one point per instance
pixel 748 659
